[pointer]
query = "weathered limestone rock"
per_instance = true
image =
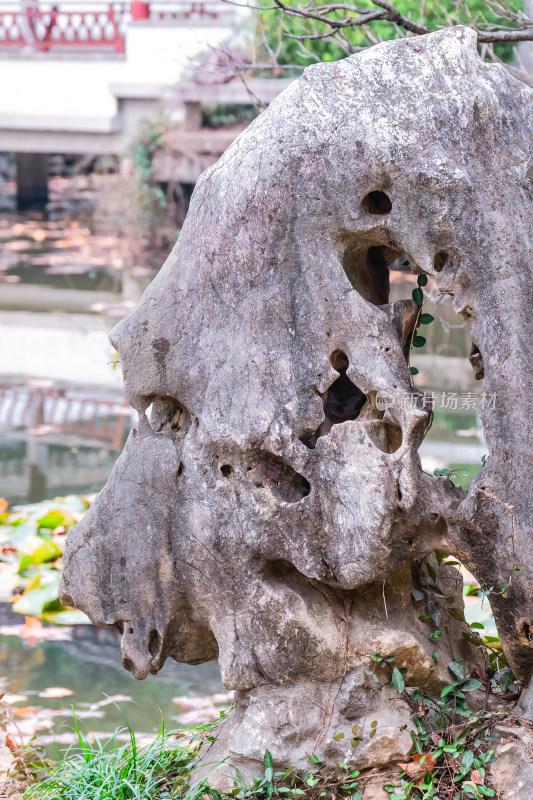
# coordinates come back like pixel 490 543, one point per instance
pixel 271 510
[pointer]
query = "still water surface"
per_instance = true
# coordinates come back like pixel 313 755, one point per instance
pixel 65 280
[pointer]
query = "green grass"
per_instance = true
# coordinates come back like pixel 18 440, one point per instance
pixel 166 770
pixel 110 770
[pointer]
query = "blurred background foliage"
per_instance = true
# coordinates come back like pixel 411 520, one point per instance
pixel 275 31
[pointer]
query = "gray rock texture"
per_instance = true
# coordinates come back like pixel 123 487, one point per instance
pixel 270 510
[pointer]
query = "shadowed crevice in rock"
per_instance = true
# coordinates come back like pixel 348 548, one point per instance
pixel 343 400
pixel 377 203
pixel 366 265
pixel 269 471
pixel 476 360
pixel 167 414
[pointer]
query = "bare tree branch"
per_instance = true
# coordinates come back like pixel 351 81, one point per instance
pixel 336 19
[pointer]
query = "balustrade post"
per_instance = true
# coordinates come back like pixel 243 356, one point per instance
pixel 140 10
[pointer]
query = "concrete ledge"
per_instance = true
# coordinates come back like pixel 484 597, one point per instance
pixel 138 91
pixel 30 297
pixel 265 89
pixel 71 348
pixel 31 122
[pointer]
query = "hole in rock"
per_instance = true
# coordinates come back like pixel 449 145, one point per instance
pixel 476 360
pixel 387 437
pixel 286 484
pixel 526 631
pixel 343 400
pixel 166 413
pixel 154 642
pixel 449 595
pixel 447 367
pixel 180 469
pixel 440 261
pixel 367 264
pixel 367 268
pixel 377 203
pixel 309 438
pixel 226 470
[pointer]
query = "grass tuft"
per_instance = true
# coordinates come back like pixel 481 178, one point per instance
pixel 94 770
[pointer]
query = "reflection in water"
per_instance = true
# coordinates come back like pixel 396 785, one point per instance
pixel 77 242
pixel 57 440
pixel 84 671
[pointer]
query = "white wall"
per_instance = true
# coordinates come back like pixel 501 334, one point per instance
pixel 56 91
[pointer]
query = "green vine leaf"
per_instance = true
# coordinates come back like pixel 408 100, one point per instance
pixel 418 296
pixel 471 685
pixel 397 680
pixel 457 667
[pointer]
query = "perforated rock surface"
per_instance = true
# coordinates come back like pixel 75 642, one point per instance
pixel 271 510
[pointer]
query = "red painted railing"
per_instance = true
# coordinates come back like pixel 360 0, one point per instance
pixel 95 25
pixel 44 29
pixel 51 412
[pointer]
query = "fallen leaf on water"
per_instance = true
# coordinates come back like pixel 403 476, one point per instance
pixel 56 691
pixel 17 245
pixel 55 634
pixel 31 631
pixel 14 698
pixel 116 698
pixel 193 703
pixel 24 711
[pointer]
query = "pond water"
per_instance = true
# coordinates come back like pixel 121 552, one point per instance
pixel 65 279
pixel 80 666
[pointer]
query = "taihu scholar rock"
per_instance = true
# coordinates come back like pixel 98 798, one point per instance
pixel 271 510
